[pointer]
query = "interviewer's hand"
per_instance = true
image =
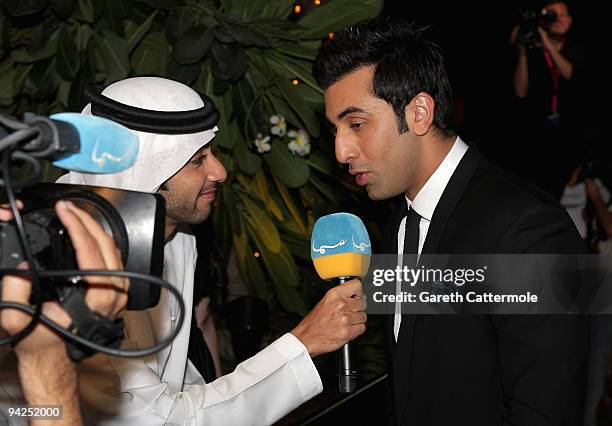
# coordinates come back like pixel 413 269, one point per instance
pixel 338 318
pixel 94 249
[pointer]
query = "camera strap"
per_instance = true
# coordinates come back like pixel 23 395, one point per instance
pixel 87 324
pixel 554 76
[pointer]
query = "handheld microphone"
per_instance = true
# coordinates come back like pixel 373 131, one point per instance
pixel 340 249
pixel 83 143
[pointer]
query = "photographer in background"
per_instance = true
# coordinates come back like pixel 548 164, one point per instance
pixel 47 375
pixel 545 81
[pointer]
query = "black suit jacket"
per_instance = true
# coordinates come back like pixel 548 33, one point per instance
pixel 490 369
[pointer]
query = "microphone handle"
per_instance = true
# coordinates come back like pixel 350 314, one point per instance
pixel 347 373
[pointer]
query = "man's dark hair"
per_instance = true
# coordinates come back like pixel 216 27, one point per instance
pixel 406 65
pixel 546 3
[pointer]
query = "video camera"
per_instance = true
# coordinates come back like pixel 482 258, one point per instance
pixel 134 220
pixel 529 22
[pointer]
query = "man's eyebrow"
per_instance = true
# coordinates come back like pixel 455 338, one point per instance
pixel 347 111
pixel 198 153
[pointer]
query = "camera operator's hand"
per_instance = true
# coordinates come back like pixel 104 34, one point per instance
pixel 520 79
pixel 514 39
pixel 545 40
pixel 94 249
pixel 47 374
pixel 6 214
pixel 565 67
pixel 338 318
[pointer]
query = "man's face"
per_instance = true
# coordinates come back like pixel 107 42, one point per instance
pixel 190 193
pixel 367 138
pixel 564 20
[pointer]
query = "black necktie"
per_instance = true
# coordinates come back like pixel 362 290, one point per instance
pixel 411 238
pixel 411 248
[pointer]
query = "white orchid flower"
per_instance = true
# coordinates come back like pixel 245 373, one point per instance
pixel 279 127
pixel 262 143
pixel 300 142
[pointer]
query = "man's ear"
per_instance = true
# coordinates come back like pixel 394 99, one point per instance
pixel 420 113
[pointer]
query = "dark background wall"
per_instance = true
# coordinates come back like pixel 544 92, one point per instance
pixel 474 37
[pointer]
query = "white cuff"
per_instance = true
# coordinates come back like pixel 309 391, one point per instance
pixel 304 370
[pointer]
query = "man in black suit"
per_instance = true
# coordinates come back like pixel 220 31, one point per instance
pixel 388 97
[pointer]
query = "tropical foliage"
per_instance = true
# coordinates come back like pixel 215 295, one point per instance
pixel 253 57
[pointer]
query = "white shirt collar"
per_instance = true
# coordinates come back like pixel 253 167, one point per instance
pixel 427 198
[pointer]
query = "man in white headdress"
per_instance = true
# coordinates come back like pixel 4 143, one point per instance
pixel 175 126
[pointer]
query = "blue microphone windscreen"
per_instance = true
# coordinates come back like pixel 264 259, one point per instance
pixel 106 147
pixel 339 233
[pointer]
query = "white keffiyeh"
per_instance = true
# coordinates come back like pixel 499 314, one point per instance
pixel 159 158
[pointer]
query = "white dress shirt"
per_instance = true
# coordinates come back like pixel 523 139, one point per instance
pixel 425 204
